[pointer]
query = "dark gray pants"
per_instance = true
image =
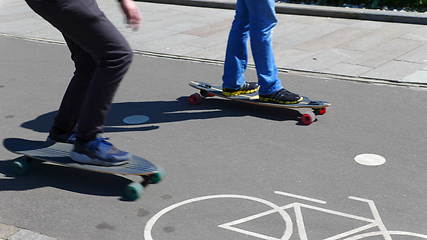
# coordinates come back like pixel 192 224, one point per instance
pixel 101 56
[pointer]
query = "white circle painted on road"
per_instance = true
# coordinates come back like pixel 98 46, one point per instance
pixel 136 119
pixel 369 159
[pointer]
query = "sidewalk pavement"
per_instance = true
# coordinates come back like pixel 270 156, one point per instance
pixel 13 233
pixel 314 10
pixel 343 48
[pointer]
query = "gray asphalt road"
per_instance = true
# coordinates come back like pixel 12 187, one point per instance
pixel 233 171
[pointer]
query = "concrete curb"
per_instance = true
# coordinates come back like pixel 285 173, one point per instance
pixel 311 10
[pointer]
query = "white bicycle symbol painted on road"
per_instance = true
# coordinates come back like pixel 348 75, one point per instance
pixel 355 234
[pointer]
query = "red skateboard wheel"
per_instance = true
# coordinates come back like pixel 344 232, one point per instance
pixel 195 99
pixel 206 94
pixel 320 111
pixel 307 118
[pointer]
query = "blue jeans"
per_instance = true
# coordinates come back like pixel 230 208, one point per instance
pixel 254 18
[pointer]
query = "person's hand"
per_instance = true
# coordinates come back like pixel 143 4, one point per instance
pixel 131 11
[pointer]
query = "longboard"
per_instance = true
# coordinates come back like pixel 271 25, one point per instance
pixel 207 90
pixel 58 153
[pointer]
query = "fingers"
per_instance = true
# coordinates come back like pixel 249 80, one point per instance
pixel 131 11
pixel 134 19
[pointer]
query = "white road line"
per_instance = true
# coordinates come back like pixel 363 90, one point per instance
pixel 353 231
pixel 381 233
pixel 333 212
pixel 300 197
pixel 300 222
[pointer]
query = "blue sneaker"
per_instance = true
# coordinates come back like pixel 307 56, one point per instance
pixel 99 152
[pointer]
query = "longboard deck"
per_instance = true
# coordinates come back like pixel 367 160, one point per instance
pixel 58 153
pixel 254 98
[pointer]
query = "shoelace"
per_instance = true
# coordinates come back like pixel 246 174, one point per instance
pixel 245 86
pixel 250 85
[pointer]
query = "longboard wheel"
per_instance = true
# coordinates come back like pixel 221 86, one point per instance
pixel 205 93
pixel 21 166
pixel 320 111
pixel 133 191
pixel 307 118
pixel 156 177
pixel 195 99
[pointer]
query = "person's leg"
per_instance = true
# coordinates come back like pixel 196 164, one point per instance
pixel 262 20
pixel 69 111
pixel 236 58
pixel 262 17
pixel 84 23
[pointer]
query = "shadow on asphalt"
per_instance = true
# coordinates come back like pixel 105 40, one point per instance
pixel 172 111
pixel 60 177
pixel 92 183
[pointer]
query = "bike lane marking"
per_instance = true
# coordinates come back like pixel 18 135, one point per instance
pixel 381 233
pixel 288 222
pixel 372 223
pixel 300 197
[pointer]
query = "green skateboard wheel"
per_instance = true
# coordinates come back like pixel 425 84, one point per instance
pixel 133 191
pixel 157 177
pixel 21 166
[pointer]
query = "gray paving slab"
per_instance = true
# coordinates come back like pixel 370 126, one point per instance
pixel 347 69
pixel 290 56
pixel 326 59
pixel 385 52
pixel 28 235
pixel 227 164
pixel 10 232
pixel 417 77
pixel 418 55
pixel 333 39
pixel 416 34
pixel 7 230
pixel 372 38
pixel 396 70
